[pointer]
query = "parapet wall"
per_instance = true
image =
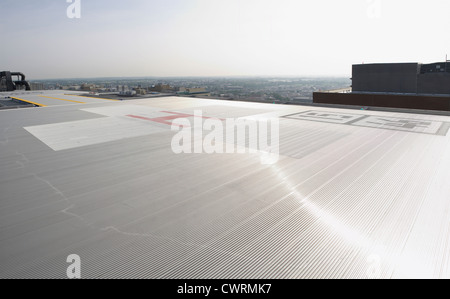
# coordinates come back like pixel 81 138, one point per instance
pixel 422 102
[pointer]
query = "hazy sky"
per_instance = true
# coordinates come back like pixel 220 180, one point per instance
pixel 218 37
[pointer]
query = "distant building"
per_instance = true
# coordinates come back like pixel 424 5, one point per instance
pixel 127 93
pixel 122 88
pixel 88 87
pixel 74 87
pixel 37 86
pixel 140 91
pixel 195 92
pixel 161 88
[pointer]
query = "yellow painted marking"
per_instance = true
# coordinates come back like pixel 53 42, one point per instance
pixel 72 95
pixel 30 102
pixel 63 100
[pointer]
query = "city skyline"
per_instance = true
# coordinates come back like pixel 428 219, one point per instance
pixel 201 38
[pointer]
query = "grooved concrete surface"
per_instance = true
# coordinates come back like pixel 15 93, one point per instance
pixel 343 200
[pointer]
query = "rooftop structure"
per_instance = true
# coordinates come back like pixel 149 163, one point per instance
pixel 395 85
pixel 7 83
pixel 411 78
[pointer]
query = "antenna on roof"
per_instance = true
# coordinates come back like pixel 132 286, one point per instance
pixel 446 61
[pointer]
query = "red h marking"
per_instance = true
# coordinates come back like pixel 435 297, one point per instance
pixel 167 119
